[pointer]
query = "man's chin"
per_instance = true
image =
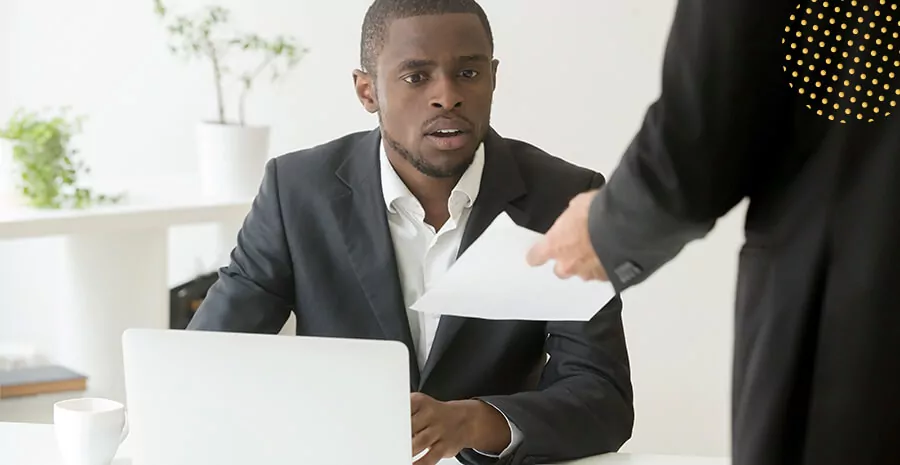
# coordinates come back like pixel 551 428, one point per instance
pixel 443 170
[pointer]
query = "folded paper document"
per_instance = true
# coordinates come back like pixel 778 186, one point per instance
pixel 492 280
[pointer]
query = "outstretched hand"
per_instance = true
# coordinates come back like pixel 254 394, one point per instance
pixel 568 243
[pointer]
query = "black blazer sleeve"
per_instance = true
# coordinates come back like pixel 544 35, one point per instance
pixel 253 293
pixel 583 403
pixel 725 104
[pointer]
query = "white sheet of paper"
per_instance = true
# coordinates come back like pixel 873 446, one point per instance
pixel 492 280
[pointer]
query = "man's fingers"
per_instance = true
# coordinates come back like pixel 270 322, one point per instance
pixel 423 440
pixel 539 253
pixel 546 248
pixel 595 272
pixel 418 456
pixel 589 274
pixel 434 455
pixel 421 420
pixel 417 400
pixel 564 270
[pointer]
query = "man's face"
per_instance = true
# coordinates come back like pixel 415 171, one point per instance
pixel 433 90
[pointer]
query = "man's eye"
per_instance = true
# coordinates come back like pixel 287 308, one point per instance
pixel 414 78
pixel 469 73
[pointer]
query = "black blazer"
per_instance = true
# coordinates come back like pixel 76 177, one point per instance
pixel 817 320
pixel 316 242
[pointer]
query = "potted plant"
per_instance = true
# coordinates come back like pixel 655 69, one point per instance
pixel 232 154
pixel 38 166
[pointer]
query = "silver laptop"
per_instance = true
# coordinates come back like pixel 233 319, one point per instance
pixel 208 398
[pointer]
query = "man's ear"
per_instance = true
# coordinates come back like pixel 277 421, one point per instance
pixel 365 90
pixel 495 63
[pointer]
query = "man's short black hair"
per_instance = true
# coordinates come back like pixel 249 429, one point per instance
pixel 382 12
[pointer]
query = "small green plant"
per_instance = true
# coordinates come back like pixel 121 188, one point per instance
pixel 46 162
pixel 207 35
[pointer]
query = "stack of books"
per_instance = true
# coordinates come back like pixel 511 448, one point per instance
pixel 34 380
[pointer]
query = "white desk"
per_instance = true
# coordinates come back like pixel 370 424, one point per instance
pixel 117 262
pixel 34 444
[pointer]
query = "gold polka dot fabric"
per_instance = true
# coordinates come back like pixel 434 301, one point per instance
pixel 843 58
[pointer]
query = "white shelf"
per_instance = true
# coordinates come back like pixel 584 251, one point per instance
pixel 116 273
pixel 19 222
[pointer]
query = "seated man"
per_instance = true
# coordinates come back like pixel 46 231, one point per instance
pixel 347 235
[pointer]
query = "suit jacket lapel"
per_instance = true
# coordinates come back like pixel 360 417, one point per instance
pixel 501 183
pixel 363 218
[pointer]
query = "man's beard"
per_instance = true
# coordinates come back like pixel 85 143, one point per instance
pixel 421 164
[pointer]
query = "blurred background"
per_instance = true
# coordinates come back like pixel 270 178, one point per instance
pixel 575 79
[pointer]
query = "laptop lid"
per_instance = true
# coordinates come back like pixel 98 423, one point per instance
pixel 211 398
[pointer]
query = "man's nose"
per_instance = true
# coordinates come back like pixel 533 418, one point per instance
pixel 446 94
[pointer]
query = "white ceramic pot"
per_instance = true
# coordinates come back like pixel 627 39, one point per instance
pixel 10 194
pixel 231 159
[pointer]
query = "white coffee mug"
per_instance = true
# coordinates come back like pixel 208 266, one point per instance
pixel 89 430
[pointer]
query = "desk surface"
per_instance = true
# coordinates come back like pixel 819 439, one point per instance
pixel 34 444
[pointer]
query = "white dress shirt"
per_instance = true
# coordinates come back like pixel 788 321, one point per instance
pixel 423 254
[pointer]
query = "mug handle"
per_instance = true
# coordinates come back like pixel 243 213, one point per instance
pixel 125 429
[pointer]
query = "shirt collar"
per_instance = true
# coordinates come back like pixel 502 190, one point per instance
pixel 466 188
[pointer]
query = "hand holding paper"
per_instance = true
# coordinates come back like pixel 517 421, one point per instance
pixel 568 243
pixel 492 280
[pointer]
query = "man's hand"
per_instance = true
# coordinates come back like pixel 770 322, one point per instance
pixel 446 428
pixel 568 242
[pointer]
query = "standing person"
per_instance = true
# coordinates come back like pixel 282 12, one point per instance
pixel 788 106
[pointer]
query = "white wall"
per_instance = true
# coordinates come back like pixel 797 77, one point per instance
pixel 575 79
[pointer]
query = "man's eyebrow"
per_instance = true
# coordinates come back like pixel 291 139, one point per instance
pixel 414 63
pixel 418 63
pixel 474 58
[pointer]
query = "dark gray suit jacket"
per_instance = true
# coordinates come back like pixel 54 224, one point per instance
pixel 817 323
pixel 316 242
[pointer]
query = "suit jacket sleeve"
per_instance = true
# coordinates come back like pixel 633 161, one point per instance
pixel 254 292
pixel 724 106
pixel 583 405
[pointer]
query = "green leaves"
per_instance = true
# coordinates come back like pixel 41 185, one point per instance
pixel 158 8
pixel 208 36
pixel 48 166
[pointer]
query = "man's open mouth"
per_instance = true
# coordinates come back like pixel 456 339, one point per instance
pixel 446 133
